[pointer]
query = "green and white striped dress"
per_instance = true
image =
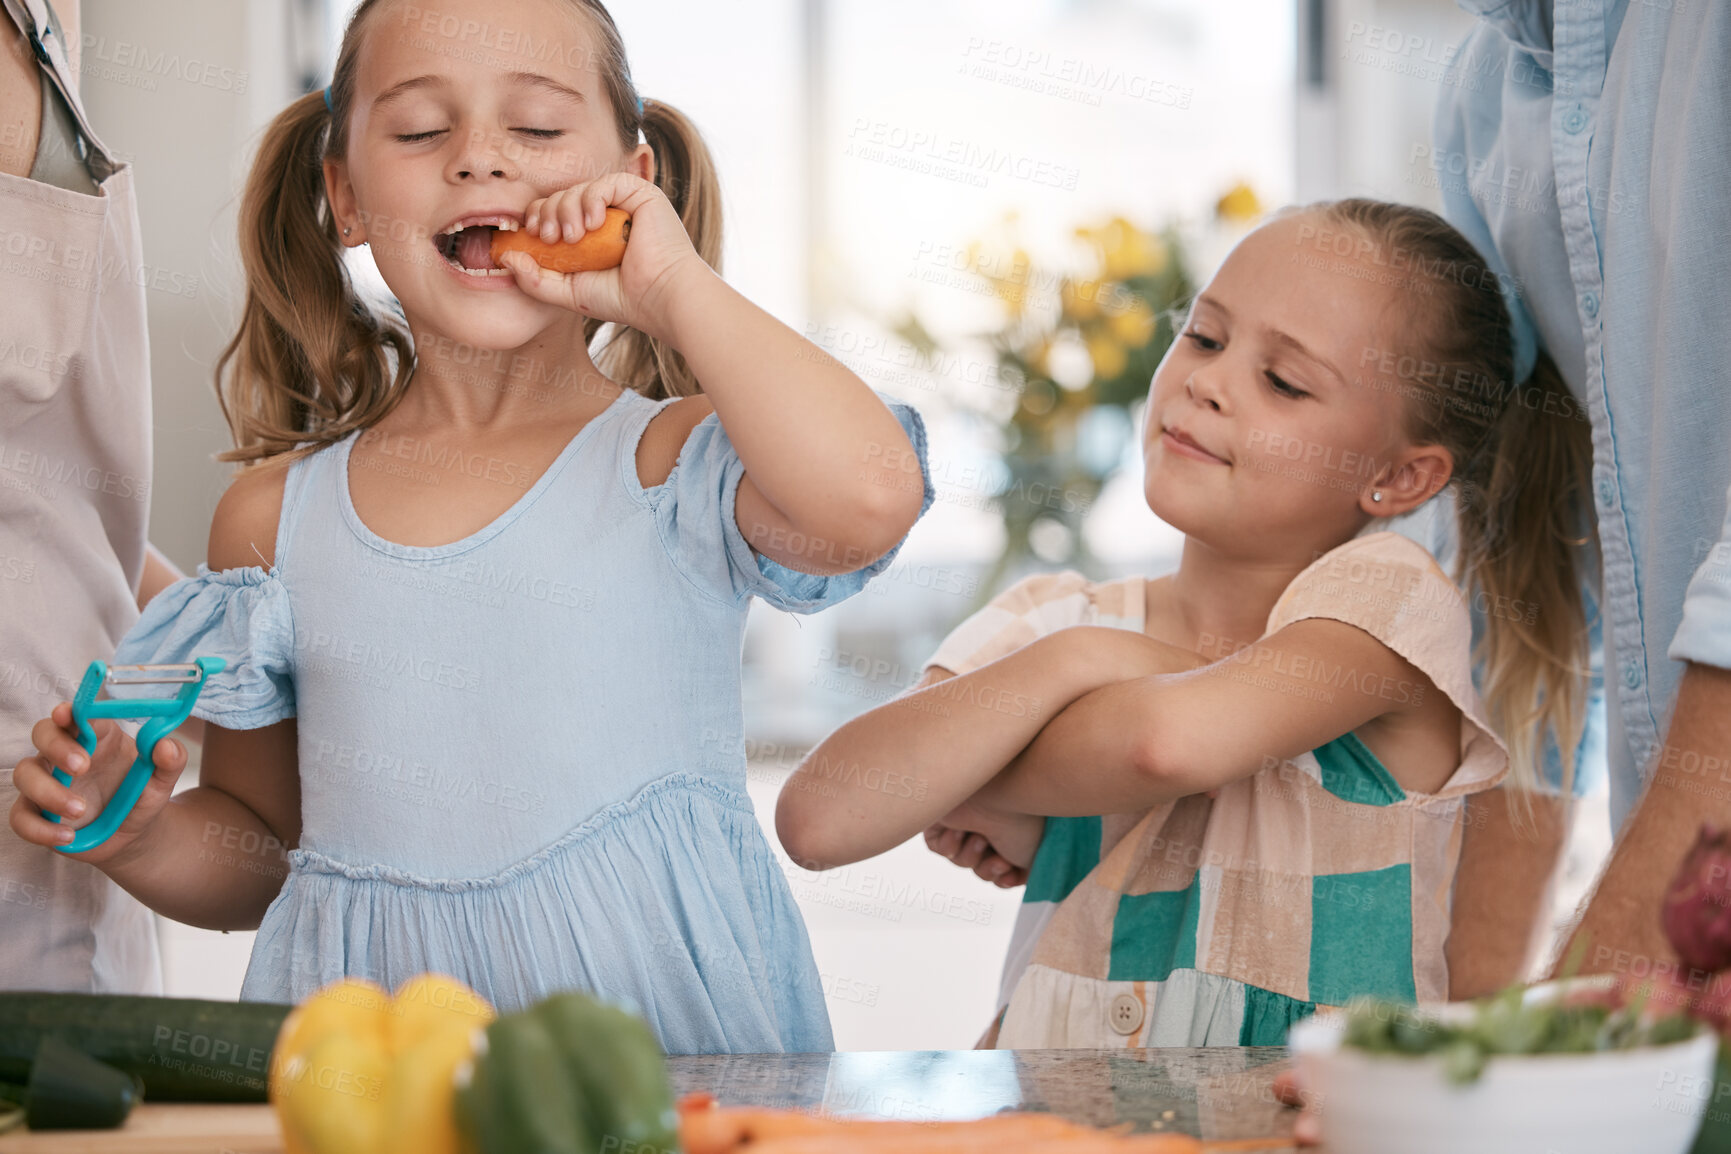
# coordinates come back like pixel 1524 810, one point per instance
pixel 1207 922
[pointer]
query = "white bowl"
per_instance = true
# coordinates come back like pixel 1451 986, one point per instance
pixel 1644 1101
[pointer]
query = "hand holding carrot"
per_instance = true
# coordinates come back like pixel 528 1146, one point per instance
pixel 602 248
pixel 657 257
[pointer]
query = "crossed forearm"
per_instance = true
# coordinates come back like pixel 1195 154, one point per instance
pixel 1091 732
pixel 890 773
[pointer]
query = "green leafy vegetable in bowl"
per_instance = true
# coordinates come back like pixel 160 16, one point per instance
pixel 1506 1024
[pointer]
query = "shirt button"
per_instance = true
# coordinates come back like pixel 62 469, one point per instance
pixel 1590 305
pixel 1632 674
pixel 1606 494
pixel 1574 120
pixel 1125 1014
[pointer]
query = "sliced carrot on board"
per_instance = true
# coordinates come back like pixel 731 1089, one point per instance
pixel 865 1138
pixel 602 248
pixel 705 1128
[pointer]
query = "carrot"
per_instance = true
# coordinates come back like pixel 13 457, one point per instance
pixel 724 1131
pixel 602 248
pixel 706 1129
pixel 865 1140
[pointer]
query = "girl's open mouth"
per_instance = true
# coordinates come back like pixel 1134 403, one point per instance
pixel 467 245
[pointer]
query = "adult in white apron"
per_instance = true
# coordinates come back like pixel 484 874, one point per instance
pixel 75 466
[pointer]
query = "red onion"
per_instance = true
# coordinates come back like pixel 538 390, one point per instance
pixel 1697 913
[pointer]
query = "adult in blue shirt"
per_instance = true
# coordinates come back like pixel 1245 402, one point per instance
pixel 1585 147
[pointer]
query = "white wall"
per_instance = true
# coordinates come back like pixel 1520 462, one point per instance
pixel 1382 65
pixel 182 87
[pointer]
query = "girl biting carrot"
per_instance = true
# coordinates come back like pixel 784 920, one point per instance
pixel 478 631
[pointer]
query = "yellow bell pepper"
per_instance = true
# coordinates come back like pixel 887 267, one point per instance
pixel 356 1071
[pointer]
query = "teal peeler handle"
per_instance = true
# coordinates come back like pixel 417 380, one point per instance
pixel 165 714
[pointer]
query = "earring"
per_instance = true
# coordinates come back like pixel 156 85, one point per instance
pixel 346 231
pixel 1376 495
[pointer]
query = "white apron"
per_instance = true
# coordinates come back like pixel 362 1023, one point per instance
pixel 75 434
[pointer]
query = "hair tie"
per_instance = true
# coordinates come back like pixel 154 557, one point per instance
pixel 640 106
pixel 328 107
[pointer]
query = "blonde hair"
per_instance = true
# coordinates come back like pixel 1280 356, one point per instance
pixel 312 360
pixel 1523 458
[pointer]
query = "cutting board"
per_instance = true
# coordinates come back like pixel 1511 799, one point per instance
pixel 164 1128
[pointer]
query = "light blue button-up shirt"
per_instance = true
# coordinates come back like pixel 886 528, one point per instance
pixel 1585 147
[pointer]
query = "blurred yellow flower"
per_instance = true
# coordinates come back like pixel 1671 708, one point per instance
pixel 1134 325
pixel 1126 250
pixel 1080 300
pixel 1109 356
pixel 1240 204
pixel 1006 272
pixel 1038 356
pixel 1064 348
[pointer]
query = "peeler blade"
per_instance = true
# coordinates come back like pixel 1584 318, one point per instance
pixel 153 674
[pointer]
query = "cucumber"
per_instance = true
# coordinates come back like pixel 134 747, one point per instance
pixel 183 1049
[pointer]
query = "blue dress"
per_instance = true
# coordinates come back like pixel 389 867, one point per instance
pixel 522 754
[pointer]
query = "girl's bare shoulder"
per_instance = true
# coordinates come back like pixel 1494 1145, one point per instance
pixel 658 450
pixel 243 529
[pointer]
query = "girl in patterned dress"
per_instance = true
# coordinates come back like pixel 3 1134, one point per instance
pixel 1237 792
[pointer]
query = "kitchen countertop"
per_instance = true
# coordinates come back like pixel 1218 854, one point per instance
pixel 1220 1094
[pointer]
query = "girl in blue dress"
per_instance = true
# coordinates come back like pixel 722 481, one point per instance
pixel 481 595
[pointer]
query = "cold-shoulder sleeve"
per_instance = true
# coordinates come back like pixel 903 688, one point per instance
pixel 240 615
pixel 694 511
pixel 1392 588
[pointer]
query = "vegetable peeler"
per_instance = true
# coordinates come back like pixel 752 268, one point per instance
pixel 165 714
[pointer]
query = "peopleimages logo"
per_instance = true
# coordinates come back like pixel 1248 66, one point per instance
pixel 932 153
pixel 42 257
pixel 36 358
pixel 1066 77
pixel 49 474
pixel 113 61
pixel 1441 61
